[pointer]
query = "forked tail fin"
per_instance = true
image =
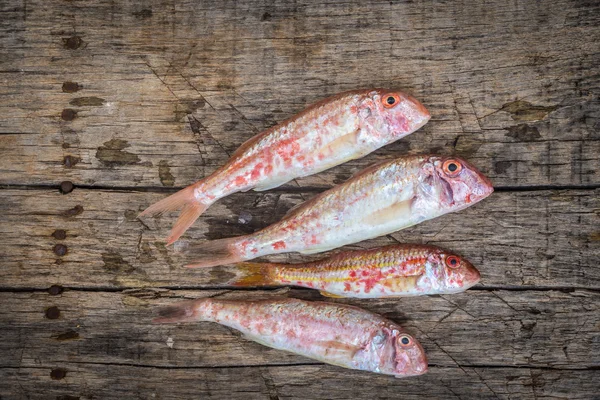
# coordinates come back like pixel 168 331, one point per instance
pixel 217 252
pixel 254 274
pixel 191 210
pixel 183 311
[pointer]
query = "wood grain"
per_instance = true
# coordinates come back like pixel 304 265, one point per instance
pixel 531 239
pixel 130 101
pixel 99 336
pixel 493 79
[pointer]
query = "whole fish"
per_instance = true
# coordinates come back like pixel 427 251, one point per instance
pixel 338 129
pixel 379 200
pixel 390 271
pixel 336 334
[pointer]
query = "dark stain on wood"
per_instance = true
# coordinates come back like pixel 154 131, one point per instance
pixel 162 249
pixel 68 335
pixel 73 42
pixel 144 13
pixel 164 174
pixel 114 262
pixel 501 167
pixel 467 145
pixel 73 211
pixel 71 87
pixel 68 114
pixel 55 290
pixel 66 187
pixel 58 374
pixel 524 133
pixel 131 215
pixel 145 255
pixel 60 249
pixel 70 161
pixel 52 312
pixel 111 153
pixel 220 276
pixel 524 111
pixel 87 101
pixel 59 234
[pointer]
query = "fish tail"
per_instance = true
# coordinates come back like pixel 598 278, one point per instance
pixel 254 274
pixel 185 200
pixel 183 311
pixel 217 252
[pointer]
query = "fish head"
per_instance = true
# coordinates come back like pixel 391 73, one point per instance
pixel 394 352
pixel 394 114
pixel 450 184
pixel 409 356
pixel 453 273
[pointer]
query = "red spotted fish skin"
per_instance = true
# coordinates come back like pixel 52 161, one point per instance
pixel 336 334
pixel 379 200
pixel 390 271
pixel 331 132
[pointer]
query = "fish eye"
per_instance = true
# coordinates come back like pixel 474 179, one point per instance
pixel 452 167
pixel 405 340
pixel 452 262
pixel 390 100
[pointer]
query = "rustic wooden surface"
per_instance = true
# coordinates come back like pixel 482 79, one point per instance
pixel 130 101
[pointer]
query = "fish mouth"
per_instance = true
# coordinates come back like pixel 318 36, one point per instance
pixel 422 111
pixel 472 277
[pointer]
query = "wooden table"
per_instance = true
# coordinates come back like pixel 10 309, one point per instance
pixel 130 101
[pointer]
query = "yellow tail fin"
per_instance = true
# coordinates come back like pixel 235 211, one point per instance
pixel 253 274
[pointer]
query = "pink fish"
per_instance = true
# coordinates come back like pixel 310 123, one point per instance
pixel 336 334
pixel 331 132
pixel 379 200
pixel 390 271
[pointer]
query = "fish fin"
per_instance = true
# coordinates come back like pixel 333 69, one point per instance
pixel 183 311
pixel 316 250
pixel 270 184
pixel 189 215
pixel 349 349
pixel 339 145
pixel 403 283
pixel 252 274
pixel 369 169
pixel 292 211
pixel 396 211
pixel 333 296
pixel 185 199
pixel 216 252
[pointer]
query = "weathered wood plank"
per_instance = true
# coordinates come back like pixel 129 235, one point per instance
pixel 89 381
pixel 541 238
pixel 513 328
pixel 517 95
pixel 157 94
pixel 108 348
